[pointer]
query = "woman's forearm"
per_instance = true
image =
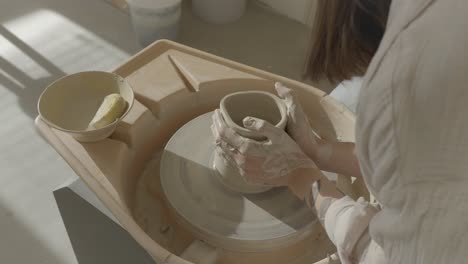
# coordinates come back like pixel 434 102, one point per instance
pixel 325 194
pixel 337 157
pixel 302 180
pixel 311 186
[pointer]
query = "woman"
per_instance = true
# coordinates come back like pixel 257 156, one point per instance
pixel 411 132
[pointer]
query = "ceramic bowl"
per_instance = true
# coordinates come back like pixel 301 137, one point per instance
pixel 237 106
pixel 70 103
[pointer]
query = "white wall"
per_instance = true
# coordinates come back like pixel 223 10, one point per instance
pixel 300 10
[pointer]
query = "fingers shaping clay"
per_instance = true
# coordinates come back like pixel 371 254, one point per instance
pixel 113 106
pixel 234 108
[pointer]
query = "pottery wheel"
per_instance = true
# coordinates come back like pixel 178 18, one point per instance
pixel 218 215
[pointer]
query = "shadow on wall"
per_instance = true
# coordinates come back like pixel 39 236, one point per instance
pixel 103 20
pixel 95 237
pixel 32 59
pixel 15 235
pixel 26 88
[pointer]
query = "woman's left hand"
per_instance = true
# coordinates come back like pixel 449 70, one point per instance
pixel 274 161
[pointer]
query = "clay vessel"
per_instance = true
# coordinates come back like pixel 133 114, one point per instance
pixel 234 108
pixel 237 106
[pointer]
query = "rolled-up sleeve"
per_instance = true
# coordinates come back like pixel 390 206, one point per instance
pixel 345 222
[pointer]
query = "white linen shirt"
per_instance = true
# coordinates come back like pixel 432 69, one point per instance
pixel 412 141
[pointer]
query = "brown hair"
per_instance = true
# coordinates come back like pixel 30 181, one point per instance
pixel 345 37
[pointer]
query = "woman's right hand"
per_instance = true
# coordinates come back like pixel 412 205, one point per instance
pixel 298 126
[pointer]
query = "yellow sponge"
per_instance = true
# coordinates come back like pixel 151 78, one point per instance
pixel 112 107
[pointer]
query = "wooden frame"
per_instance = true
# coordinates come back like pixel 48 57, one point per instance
pixel 112 168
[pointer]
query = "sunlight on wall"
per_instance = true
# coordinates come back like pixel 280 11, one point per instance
pixel 63 43
pixel 35 50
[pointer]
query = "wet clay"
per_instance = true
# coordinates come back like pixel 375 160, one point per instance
pixel 220 216
pixel 266 106
pixel 235 108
